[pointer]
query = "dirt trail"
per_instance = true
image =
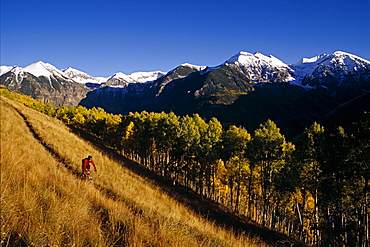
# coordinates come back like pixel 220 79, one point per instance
pixel 46 146
pixel 201 205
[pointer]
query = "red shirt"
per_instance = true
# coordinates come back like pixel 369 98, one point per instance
pixel 86 162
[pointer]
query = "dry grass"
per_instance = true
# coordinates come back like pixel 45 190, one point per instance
pixel 44 204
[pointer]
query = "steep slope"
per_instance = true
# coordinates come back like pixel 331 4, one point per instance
pixel 45 203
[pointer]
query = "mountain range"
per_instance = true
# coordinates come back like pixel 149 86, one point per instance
pixel 246 89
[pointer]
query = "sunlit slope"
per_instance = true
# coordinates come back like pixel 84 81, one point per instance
pixel 44 202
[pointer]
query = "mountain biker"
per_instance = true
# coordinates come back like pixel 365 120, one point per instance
pixel 86 165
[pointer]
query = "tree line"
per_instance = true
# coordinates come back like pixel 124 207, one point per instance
pixel 316 190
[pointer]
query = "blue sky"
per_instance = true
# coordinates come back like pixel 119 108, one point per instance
pixel 105 37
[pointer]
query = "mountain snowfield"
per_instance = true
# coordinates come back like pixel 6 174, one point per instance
pixel 120 79
pixel 82 77
pixel 5 69
pixel 338 64
pixel 47 70
pixel 258 67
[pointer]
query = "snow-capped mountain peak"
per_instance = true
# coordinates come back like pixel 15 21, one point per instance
pixel 187 65
pixel 337 65
pixel 120 75
pixel 82 77
pixel 339 57
pixel 40 69
pixel 5 69
pixel 142 77
pixel 255 59
pixel 196 67
pixel 47 70
pixel 261 68
pixel 71 72
pixel 349 60
pixel 313 60
pixel 120 79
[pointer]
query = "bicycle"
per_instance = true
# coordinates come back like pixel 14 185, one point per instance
pixel 88 176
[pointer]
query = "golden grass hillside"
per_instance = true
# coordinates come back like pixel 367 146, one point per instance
pixel 45 203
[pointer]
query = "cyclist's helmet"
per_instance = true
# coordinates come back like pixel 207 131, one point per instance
pixel 89 157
